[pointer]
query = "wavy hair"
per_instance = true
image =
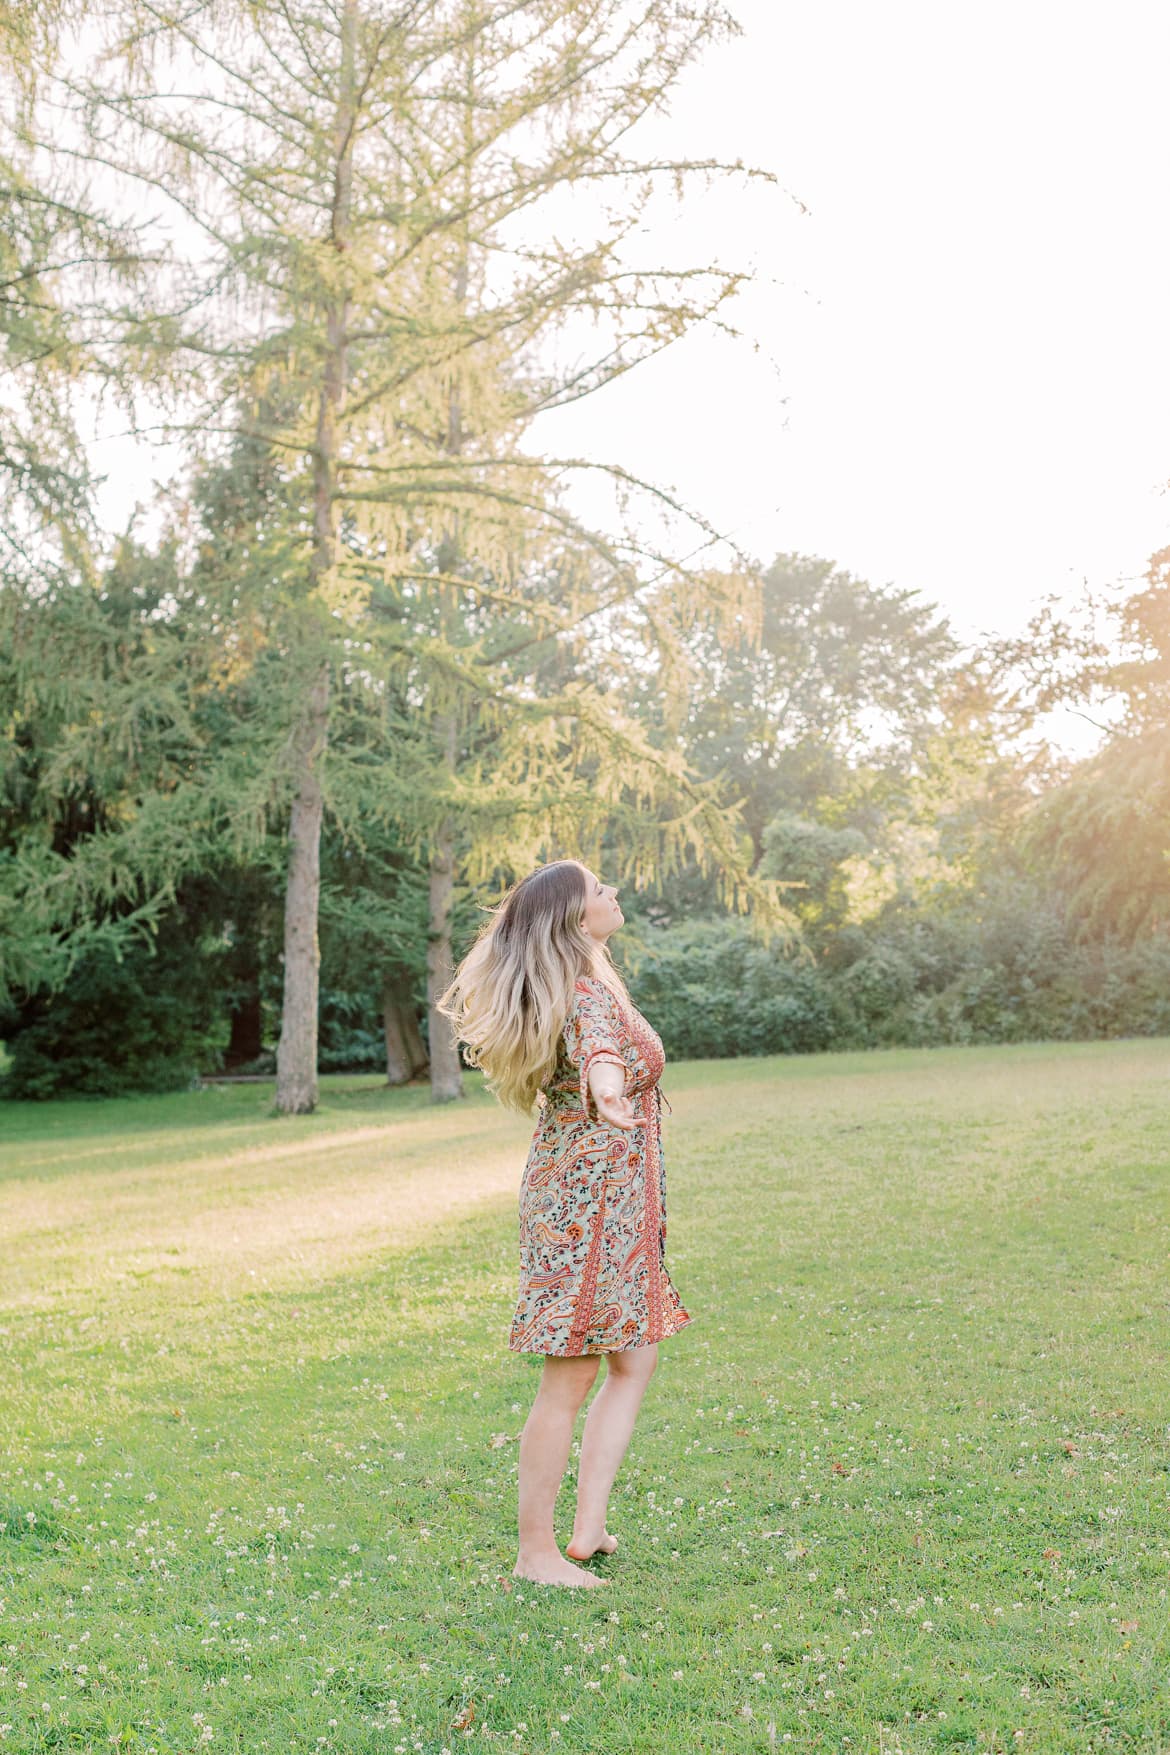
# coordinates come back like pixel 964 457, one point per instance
pixel 513 991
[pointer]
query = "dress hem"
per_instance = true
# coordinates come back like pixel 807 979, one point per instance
pixel 594 1352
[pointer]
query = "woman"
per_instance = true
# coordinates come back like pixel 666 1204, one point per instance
pixel 545 1013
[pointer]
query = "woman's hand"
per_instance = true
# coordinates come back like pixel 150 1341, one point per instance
pixel 615 1108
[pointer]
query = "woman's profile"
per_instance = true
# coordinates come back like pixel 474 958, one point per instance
pixel 545 1013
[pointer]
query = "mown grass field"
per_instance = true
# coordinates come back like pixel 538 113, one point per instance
pixel 902 1485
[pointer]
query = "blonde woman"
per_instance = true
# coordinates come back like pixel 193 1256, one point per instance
pixel 545 1013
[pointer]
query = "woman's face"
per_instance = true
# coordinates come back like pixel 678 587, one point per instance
pixel 602 914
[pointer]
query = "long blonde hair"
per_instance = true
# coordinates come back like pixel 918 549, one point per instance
pixel 513 990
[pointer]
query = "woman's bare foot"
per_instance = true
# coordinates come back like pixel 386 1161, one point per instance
pixel 554 1569
pixel 584 1547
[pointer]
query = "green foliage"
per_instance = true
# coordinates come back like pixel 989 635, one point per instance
pixel 1103 837
pixel 1007 963
pixel 143 1021
pixel 711 991
pixel 1001 964
pixel 350 1037
pixel 800 850
pixel 843 673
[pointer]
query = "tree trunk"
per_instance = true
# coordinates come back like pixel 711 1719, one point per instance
pixel 296 1055
pixel 446 1065
pixel 405 1055
pixel 416 1048
pixel 296 1059
pixel 446 1068
pixel 397 1059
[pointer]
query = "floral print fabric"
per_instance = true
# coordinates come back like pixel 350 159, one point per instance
pixel 593 1273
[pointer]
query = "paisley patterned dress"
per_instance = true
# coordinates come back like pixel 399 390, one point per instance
pixel 593 1273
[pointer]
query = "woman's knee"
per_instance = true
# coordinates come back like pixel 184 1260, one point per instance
pixel 639 1362
pixel 569 1380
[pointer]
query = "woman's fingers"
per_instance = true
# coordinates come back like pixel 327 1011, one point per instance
pixel 618 1111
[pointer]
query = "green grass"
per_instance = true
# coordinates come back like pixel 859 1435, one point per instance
pixel 902 1485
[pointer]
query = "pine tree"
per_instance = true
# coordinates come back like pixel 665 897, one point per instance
pixel 343 289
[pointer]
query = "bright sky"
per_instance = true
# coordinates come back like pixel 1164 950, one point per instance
pixel 963 383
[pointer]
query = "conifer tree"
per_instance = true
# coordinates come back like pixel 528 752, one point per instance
pixel 357 281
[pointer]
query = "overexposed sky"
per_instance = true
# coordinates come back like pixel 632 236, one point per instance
pixel 963 378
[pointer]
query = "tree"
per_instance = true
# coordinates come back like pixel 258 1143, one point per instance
pixel 815 711
pixel 354 301
pixel 1103 835
pixel 64 624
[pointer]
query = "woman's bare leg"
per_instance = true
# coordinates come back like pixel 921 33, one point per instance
pixel 608 1426
pixel 544 1451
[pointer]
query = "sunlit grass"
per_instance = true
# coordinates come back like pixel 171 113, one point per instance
pixel 901 1485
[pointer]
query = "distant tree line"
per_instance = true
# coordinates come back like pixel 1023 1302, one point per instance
pixel 953 879
pixel 960 881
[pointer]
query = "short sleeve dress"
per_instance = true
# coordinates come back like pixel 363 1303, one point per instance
pixel 593 1273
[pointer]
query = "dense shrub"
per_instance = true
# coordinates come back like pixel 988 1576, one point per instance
pixel 1005 968
pixel 712 991
pixel 1009 967
pixel 148 1022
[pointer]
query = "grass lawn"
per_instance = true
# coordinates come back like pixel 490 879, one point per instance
pixel 902 1485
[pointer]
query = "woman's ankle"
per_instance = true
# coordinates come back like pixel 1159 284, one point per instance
pixel 588 1526
pixel 533 1554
